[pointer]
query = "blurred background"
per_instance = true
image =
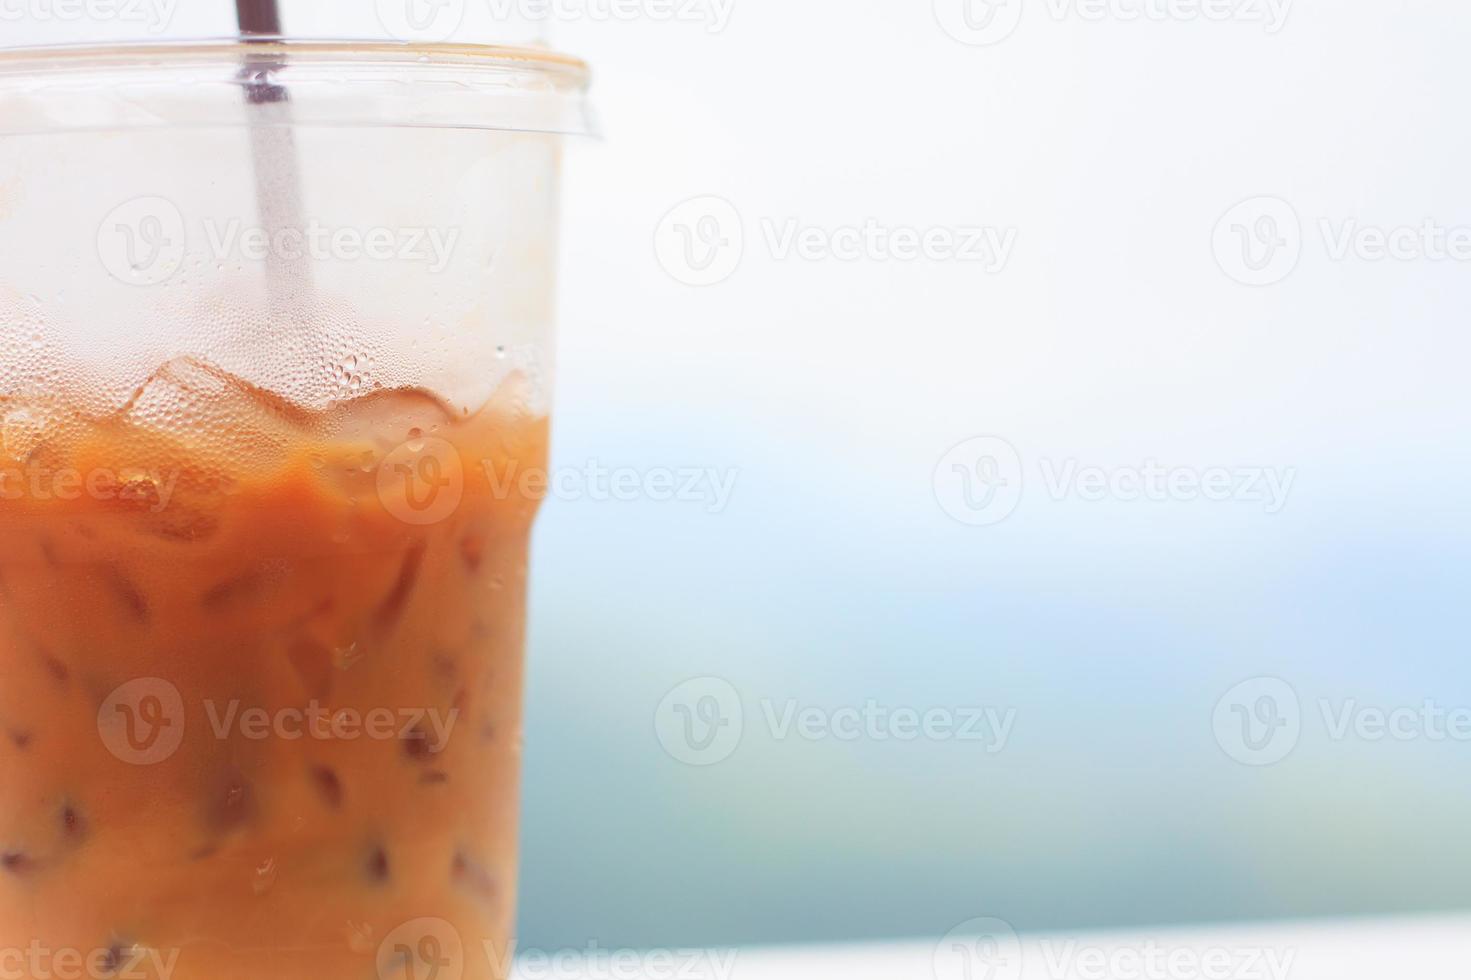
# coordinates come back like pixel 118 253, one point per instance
pixel 1141 477
pixel 1115 335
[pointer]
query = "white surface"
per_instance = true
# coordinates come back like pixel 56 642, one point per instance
pixel 1408 949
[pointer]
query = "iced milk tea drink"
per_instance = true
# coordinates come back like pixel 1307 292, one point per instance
pixel 264 514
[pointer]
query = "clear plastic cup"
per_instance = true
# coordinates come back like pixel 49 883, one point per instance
pixel 275 362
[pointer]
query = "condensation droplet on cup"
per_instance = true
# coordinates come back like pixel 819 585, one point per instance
pixel 345 658
pixel 360 937
pixel 265 876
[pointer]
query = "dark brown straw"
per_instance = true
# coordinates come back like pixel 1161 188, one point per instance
pixel 260 19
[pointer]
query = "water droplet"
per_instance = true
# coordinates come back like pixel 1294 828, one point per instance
pixel 360 937
pixel 265 876
pixel 345 658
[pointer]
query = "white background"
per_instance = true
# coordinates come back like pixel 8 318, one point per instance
pixel 1114 337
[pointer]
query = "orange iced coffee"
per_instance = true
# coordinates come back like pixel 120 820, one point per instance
pixel 260 682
